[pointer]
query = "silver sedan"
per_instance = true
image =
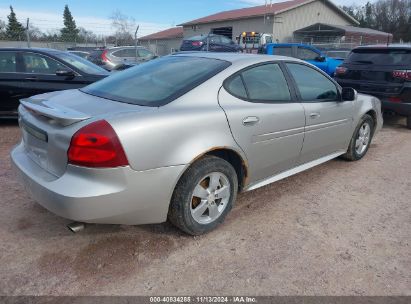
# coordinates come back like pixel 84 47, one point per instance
pixel 177 138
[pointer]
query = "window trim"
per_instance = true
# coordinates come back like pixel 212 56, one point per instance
pixel 291 89
pixel 297 90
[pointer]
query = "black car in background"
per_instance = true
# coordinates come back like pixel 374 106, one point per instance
pixel 382 71
pixel 211 43
pixel 29 71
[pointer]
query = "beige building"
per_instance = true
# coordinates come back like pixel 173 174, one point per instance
pixel 280 19
pixel 164 42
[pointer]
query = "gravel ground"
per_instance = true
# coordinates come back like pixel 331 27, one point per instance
pixel 342 228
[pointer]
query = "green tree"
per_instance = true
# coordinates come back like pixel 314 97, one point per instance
pixel 14 29
pixel 70 31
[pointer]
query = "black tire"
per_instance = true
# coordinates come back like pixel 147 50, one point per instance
pixel 182 201
pixel 409 122
pixel 352 154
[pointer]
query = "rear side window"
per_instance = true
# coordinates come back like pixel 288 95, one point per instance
pixel 145 53
pixel 236 87
pixel 283 51
pixel 121 53
pixel 312 85
pixel 263 83
pixel 7 62
pixel 380 56
pixel 157 82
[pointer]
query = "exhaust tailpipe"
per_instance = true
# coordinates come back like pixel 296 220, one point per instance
pixel 76 227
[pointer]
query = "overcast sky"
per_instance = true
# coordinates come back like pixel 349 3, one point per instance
pixel 152 15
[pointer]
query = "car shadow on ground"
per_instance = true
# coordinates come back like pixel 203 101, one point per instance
pixel 394 121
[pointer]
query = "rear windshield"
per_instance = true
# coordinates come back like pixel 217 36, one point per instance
pixel 380 56
pixel 80 63
pixel 157 82
pixel 196 38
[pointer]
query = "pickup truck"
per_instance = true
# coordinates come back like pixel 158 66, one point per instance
pixel 307 53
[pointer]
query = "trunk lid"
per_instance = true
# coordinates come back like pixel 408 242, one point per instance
pixel 49 121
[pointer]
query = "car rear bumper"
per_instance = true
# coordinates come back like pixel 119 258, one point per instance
pixel 108 196
pixel 401 108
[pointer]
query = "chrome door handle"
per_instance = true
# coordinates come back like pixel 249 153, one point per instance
pixel 314 115
pixel 250 121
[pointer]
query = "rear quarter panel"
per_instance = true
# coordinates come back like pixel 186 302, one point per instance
pixel 176 134
pixel 364 104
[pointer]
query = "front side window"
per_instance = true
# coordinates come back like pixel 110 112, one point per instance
pixel 263 83
pixel 312 85
pixel 306 54
pixel 283 51
pixel 157 82
pixel 7 62
pixel 38 64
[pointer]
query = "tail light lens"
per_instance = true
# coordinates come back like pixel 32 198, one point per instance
pixel 197 43
pixel 394 99
pixel 97 145
pixel 104 56
pixel 341 70
pixel 403 74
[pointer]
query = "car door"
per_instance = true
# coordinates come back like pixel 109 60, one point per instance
pixel 265 120
pixel 10 82
pixel 312 57
pixel 40 75
pixel 328 119
pixel 227 45
pixel 214 44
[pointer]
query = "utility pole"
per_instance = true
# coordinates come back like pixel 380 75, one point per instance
pixel 135 40
pixel 27 33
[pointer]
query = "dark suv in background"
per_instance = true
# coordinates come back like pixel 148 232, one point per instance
pixel 382 71
pixel 211 42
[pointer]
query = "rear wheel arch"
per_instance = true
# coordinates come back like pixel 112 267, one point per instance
pixel 230 155
pixel 373 115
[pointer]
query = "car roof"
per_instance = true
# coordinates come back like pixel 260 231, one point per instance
pixel 40 50
pixel 125 47
pixel 236 57
pixel 384 46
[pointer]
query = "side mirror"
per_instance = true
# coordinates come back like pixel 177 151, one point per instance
pixel 320 59
pixel 65 73
pixel 348 94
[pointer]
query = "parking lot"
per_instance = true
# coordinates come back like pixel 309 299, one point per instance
pixel 342 228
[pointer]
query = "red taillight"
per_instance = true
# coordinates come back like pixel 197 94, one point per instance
pixel 403 74
pixel 197 43
pixel 394 99
pixel 341 70
pixel 97 145
pixel 104 56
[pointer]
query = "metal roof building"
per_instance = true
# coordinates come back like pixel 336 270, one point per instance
pixel 281 19
pixel 329 33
